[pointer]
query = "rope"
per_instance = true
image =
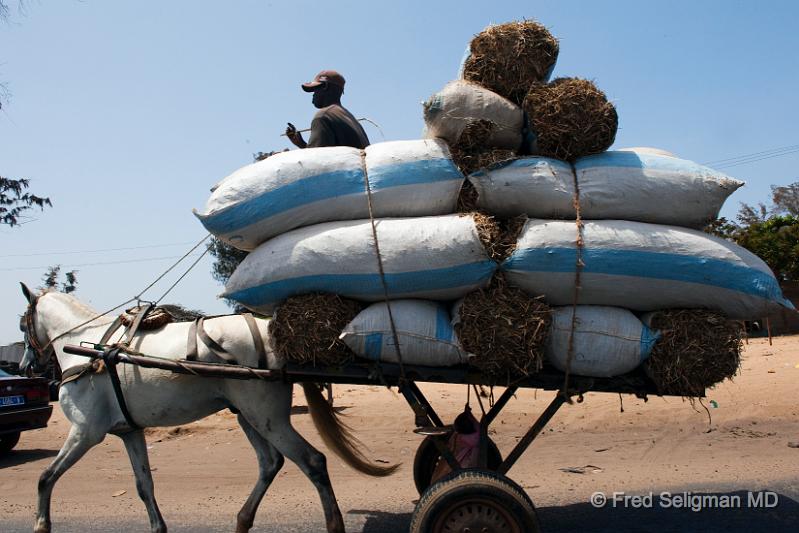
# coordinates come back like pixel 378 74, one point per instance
pixel 383 282
pixel 578 269
pixel 137 298
pixel 187 271
pixel 168 270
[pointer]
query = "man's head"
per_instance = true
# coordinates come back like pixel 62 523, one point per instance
pixel 327 88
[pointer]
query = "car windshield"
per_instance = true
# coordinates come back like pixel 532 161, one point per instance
pixel 4 374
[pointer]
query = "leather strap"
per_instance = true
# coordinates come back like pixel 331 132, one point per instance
pixel 191 344
pixel 197 330
pixel 74 373
pixel 134 327
pixel 110 360
pixel 257 340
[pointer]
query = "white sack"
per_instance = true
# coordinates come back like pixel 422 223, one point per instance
pixel 447 113
pixel 624 185
pixel 302 187
pixel 436 258
pixel 608 341
pixel 425 334
pixel 644 267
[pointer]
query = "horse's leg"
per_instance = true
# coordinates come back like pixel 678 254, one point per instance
pixel 267 408
pixel 137 452
pixel 80 440
pixel 270 461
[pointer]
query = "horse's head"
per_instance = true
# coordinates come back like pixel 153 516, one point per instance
pixel 38 349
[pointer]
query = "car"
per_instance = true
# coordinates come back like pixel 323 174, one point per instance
pixel 24 405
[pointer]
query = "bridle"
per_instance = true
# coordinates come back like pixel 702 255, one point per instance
pixel 42 353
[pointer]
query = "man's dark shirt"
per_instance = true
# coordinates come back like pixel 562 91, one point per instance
pixel 335 126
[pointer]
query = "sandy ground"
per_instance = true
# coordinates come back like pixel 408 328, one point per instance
pixel 204 471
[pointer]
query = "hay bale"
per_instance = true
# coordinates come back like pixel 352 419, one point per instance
pixel 506 330
pixel 498 236
pixel 305 329
pixel 697 350
pixel 508 58
pixel 571 117
pixel 472 153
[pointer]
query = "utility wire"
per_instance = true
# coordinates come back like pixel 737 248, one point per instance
pixel 753 157
pixel 100 263
pixel 101 250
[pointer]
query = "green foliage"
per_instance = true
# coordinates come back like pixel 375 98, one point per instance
pixel 15 200
pixel 227 258
pixel 786 199
pixel 50 279
pixel 776 241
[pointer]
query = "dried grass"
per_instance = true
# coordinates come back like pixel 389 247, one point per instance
pixel 506 330
pixel 571 117
pixel 306 329
pixel 509 58
pixel 472 153
pixel 697 350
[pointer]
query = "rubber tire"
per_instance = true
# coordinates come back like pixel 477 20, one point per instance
pixel 8 441
pixel 427 456
pixel 468 484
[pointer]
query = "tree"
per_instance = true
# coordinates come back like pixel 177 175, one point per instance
pixel 776 241
pixel 15 200
pixel 50 280
pixel 786 199
pixel 14 196
pixel 227 259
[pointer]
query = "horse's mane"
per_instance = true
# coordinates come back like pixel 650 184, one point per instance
pixel 74 301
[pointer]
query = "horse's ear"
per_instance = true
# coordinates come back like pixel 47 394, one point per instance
pixel 27 292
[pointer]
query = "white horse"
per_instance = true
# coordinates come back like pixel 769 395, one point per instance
pixel 160 398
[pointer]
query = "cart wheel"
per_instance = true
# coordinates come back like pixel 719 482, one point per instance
pixel 427 457
pixel 476 501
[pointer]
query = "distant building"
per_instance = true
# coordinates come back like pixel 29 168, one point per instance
pixel 12 353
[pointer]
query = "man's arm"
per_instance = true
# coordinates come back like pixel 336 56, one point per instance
pixel 295 136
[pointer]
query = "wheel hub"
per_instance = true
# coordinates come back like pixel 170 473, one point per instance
pixel 476 516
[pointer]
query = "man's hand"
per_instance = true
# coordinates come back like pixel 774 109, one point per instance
pixel 295 137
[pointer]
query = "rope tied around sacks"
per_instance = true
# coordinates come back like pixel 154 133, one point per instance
pixel 383 282
pixel 578 269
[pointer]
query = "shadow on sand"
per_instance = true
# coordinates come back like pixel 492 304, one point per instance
pixel 585 517
pixel 19 457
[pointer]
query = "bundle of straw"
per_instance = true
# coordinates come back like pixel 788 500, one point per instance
pixel 509 58
pixel 506 330
pixel 697 350
pixel 305 329
pixel 571 118
pixel 472 153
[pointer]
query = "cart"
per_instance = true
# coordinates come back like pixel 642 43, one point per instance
pixel 482 499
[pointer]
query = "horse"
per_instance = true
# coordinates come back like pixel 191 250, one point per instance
pixel 159 398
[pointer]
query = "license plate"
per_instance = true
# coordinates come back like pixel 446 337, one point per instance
pixel 11 400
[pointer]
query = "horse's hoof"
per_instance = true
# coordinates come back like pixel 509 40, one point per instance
pixel 42 529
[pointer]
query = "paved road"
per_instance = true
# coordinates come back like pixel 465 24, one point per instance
pixel 553 519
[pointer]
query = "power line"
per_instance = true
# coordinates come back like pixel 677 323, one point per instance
pixel 143 260
pixel 753 157
pixel 101 250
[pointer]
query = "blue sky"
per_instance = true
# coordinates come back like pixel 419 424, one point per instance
pixel 125 113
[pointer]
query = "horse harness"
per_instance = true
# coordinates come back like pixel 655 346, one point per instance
pixel 110 360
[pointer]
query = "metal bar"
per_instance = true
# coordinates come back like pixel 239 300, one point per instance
pixel 482 451
pixel 193 368
pixel 423 400
pixel 499 405
pixel 532 433
pixel 417 402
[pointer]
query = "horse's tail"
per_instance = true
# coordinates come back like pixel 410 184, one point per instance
pixel 338 436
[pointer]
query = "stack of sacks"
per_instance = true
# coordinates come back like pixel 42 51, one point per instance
pixel 303 187
pixel 503 105
pixel 475 288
